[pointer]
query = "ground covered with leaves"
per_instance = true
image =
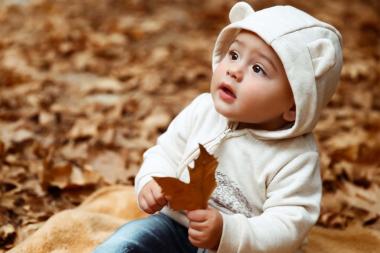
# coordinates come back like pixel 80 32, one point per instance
pixel 87 86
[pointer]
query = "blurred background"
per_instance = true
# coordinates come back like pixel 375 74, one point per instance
pixel 87 86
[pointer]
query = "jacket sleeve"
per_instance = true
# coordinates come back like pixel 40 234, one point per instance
pixel 290 210
pixel 163 159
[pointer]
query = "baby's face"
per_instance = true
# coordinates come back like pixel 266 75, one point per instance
pixel 250 85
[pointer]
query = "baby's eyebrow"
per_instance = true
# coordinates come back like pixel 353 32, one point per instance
pixel 237 42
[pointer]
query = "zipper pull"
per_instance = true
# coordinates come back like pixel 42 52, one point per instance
pixel 224 134
pixel 227 131
pixel 231 127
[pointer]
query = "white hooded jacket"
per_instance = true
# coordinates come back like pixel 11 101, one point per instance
pixel 269 185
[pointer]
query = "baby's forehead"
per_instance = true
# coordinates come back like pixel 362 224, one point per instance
pixel 250 40
pixel 248 37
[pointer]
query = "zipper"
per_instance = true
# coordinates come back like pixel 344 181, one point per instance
pixel 209 145
pixel 220 138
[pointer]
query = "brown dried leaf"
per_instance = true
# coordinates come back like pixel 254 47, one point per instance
pixel 2 149
pixel 196 193
pixel 58 176
pixel 83 177
pixel 362 198
pixel 83 128
pixel 66 176
pixel 21 135
pixel 110 165
pixel 7 234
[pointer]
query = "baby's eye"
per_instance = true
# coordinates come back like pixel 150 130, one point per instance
pixel 233 55
pixel 258 69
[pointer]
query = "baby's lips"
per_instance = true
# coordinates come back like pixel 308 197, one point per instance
pixel 228 89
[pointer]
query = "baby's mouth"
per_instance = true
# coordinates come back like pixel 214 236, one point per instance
pixel 227 91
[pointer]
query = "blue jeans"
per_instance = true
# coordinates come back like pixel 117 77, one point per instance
pixel 154 234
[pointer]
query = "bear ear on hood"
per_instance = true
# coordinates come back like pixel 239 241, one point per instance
pixel 322 53
pixel 240 11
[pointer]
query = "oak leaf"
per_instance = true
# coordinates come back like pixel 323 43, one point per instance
pixel 194 195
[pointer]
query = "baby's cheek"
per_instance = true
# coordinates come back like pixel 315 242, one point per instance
pixel 213 85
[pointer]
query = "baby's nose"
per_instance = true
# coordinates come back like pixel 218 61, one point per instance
pixel 235 74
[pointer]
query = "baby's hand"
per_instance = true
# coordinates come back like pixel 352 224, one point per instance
pixel 205 228
pixel 151 198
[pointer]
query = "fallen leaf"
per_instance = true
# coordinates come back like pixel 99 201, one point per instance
pixel 362 198
pixel 58 175
pixel 7 234
pixel 66 176
pixel 86 176
pixel 110 165
pixel 87 83
pixel 159 119
pixel 195 194
pixel 22 135
pixel 83 128
pixel 2 149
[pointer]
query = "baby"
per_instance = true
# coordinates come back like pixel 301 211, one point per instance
pixel 274 70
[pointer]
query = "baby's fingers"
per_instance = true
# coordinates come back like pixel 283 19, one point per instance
pixel 158 196
pixel 145 207
pixel 196 238
pixel 151 201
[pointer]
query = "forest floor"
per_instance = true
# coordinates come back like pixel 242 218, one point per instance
pixel 87 86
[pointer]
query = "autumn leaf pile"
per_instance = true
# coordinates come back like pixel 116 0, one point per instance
pixel 87 86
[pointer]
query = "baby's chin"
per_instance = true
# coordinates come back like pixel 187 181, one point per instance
pixel 228 115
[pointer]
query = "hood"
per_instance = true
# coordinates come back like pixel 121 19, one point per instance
pixel 310 51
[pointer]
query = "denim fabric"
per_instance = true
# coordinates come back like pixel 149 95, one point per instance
pixel 154 234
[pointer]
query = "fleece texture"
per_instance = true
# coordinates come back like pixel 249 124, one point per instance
pixel 268 192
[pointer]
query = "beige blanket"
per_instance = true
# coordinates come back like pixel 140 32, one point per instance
pixel 81 229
